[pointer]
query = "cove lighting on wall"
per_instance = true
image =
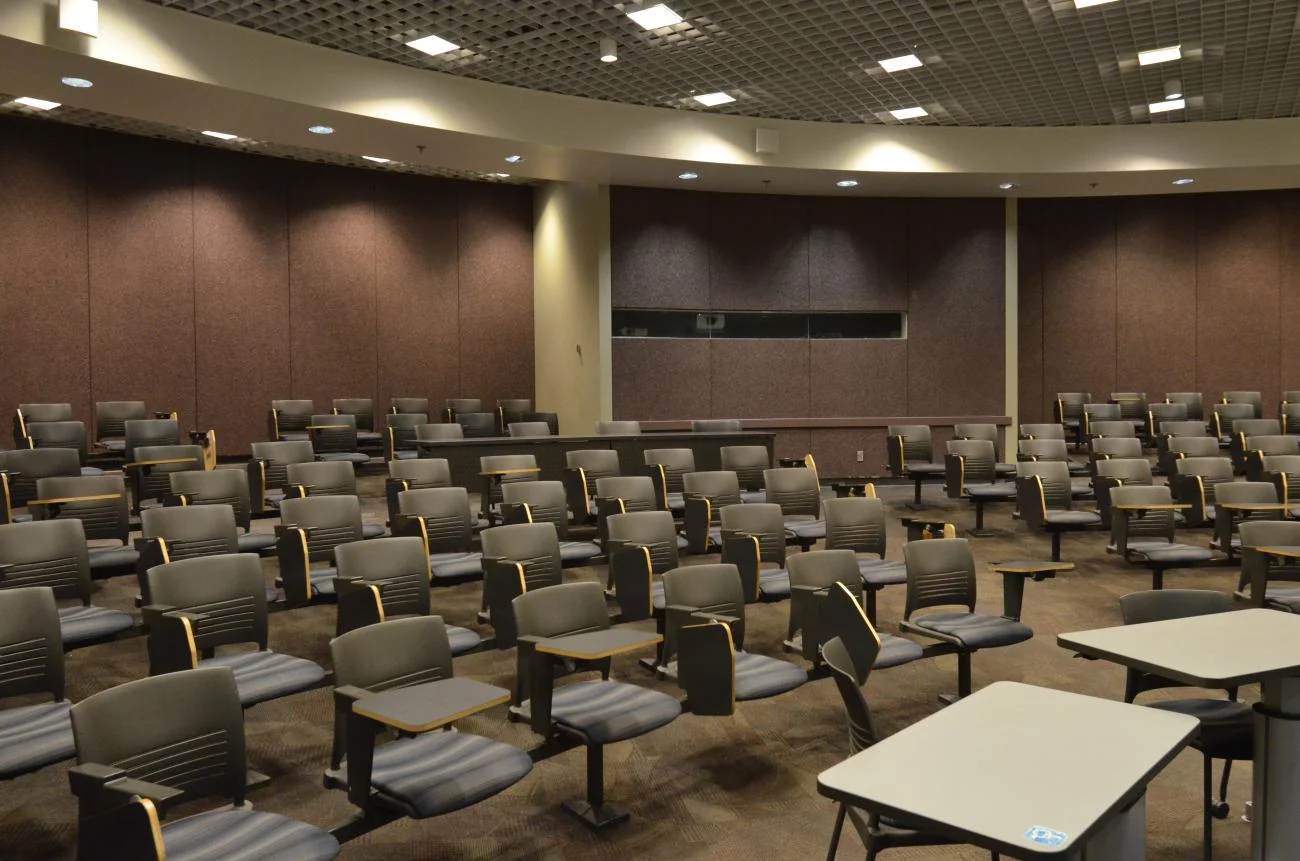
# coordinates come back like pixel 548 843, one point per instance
pixel 79 16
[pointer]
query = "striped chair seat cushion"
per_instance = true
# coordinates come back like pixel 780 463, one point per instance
pixel 262 676
pixel 354 457
pixel 256 542
pixel 882 572
pixel 322 580
pixel 683 544
pixel 33 736
pixel 578 551
pixel 806 529
pixel 752 496
pixel 293 436
pixel 439 772
pixel 462 640
pixel 246 835
pixel 758 676
pixel 774 583
pixel 113 445
pixel 79 624
pixel 607 711
pixel 113 557
pixel 371 530
pixel 895 651
pixel 456 564
pixel 406 455
pixel 91 471
pixel 974 630
pixel 676 502
pixel 369 436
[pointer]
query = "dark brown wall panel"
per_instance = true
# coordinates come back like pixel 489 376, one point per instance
pixel 418 290
pixel 857 254
pixel 650 378
pixel 495 242
pixel 659 253
pixel 141 240
pixel 332 284
pixel 759 378
pixel 1033 403
pixel 44 292
pixel 956 322
pixel 791 443
pixel 1289 294
pixel 758 252
pixel 1238 255
pixel 241 295
pixel 836 451
pixel 1155 273
pixel 858 378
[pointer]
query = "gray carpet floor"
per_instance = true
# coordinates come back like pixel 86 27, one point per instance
pixel 738 787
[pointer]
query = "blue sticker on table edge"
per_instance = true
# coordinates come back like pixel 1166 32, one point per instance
pixel 1046 836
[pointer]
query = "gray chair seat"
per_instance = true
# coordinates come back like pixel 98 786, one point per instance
pixel 355 457
pixel 79 624
pixel 294 436
pixel 113 557
pixel 896 651
pixel 974 630
pixel 262 676
pixel 1081 488
pixel 1073 518
pixel 21 518
pixel 774 583
pixel 462 640
pixel 579 551
pixel 256 542
pixel 683 544
pixel 405 454
pixel 246 835
pixel 456 564
pixel 926 469
pixel 369 436
pixel 758 676
pixel 882 572
pixel 274 496
pixel 1004 469
pixel 91 471
pixel 807 530
pixel 657 595
pixel 1285 596
pixel 438 772
pixel 117 446
pixel 371 530
pixel 1174 554
pixel 322 580
pixel 1227 726
pixel 33 736
pixel 605 711
pixel 753 496
pixel 1076 468
pixel 996 490
pixel 676 503
pixel 1209 512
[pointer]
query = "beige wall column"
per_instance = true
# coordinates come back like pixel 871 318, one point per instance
pixel 1012 312
pixel 571 303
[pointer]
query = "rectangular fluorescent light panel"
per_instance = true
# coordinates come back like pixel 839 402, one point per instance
pixel 223 136
pixel 376 159
pixel 655 17
pixel 910 113
pixel 79 16
pixel 1170 105
pixel 712 100
pixel 1160 55
pixel 432 45
pixel 1084 4
pixel 38 104
pixel 898 64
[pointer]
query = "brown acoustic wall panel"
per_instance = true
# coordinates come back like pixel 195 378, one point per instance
pixel 1238 255
pixel 418 290
pixel 857 254
pixel 660 378
pixel 956 322
pixel 141 241
pixel 791 443
pixel 857 378
pixel 758 252
pixel 1079 294
pixel 659 254
pixel 495 244
pixel 1155 273
pixel 1033 403
pixel 758 378
pixel 836 451
pixel 241 295
pixel 331 284
pixel 45 324
pixel 1289 294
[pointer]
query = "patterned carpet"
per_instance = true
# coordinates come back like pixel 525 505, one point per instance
pixel 741 787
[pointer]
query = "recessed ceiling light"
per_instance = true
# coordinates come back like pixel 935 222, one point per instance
pixel 1160 55
pixel 514 159
pixel 898 64
pixel 608 50
pixel 1187 180
pixel 1006 186
pixel 712 100
pixel 847 183
pixel 79 83
pixel 376 159
pixel 224 136
pixel 1084 4
pixel 690 174
pixel 38 104
pixel 910 113
pixel 321 130
pixel 656 16
pixel 432 45
pixel 1167 105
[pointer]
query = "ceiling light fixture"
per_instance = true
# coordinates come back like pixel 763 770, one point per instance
pixel 499 175
pixel 222 136
pixel 1084 4
pixel 655 17
pixel 514 159
pixel 1168 105
pixel 78 83
pixel 321 130
pixel 1006 186
pixel 847 183
pixel 898 64
pixel 910 113
pixel 377 159
pixel 1160 55
pixel 712 100
pixel 688 175
pixel 79 16
pixel 608 50
pixel 1174 89
pixel 432 45
pixel 1187 180
pixel 38 104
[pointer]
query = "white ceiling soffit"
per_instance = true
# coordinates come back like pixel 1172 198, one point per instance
pixel 178 73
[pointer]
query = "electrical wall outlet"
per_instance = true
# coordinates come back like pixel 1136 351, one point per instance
pixel 859 457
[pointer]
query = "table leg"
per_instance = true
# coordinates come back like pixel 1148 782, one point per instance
pixel 1013 595
pixel 1275 833
pixel 1123 838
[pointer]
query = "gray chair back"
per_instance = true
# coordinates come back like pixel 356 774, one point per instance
pixel 31 645
pixel 1194 446
pixel 1100 413
pixel 940 572
pixel 50 554
pixel 448 524
pixel 1043 450
pixel 546 501
pixel 396 654
pixel 107 518
pixel 821 569
pixel 402 564
pixel 464 405
pixel 595 463
pixel 513 410
pixel 28 466
pixel 529 429
pixel 653 529
pixel 66 434
pixel 715 426
pixel 1128 470
pixel 149 432
pixel 1156 523
pixel 334 433
pixel 26 414
pixel 1111 429
pixel 192 530
pixel 1054 477
pixel 1255 399
pixel 1274 444
pixel 1042 431
pixel 1289 415
pixel 214 487
pixel 329 521
pixel 1226 414
pixel 979 430
pixel 1160 412
pixel 111 418
pixel 568 608
pixel 916 441
pixel 362 409
pixel 1116 446
pixel 637 492
pixel 323 478
pixel 855 523
pixel 1191 400
pixel 226 593
pixel 491 462
pixel 278 455
pixel 155 481
pixel 401 430
pixel 290 416
pixel 1193 428
pixel 439 432
pixel 978 457
pixel 675 463
pixel 795 489
pixel 763 520
pixel 477 424
pixel 535 546
pixel 406 406
pixel 720 488
pixel 712 588
pixel 618 428
pixel 1247 491
pixel 748 463
pixel 1068 406
pixel 1132 405
pixel 421 473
